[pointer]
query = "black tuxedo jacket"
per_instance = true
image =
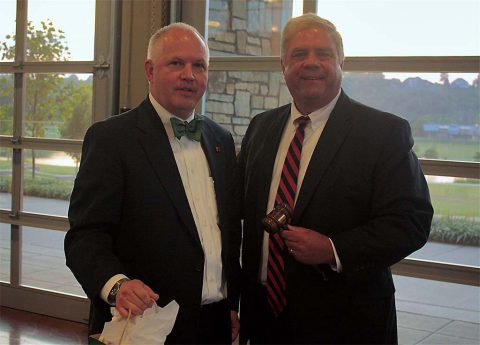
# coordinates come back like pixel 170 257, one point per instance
pixel 365 190
pixel 129 214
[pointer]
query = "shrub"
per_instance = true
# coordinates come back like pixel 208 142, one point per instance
pixel 5 183
pixel 44 187
pixel 458 230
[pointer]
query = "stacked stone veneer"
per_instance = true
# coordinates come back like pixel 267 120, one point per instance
pixel 233 98
pixel 244 27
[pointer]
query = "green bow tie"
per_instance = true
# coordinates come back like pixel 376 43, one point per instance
pixel 192 130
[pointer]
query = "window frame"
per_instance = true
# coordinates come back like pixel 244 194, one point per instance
pixel 464 64
pixel 103 68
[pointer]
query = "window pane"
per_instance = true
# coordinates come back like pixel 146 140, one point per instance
pixel 7 29
pixel 5 252
pixel 48 183
pixel 250 27
pixel 5 178
pixel 455 233
pixel 442 108
pixel 436 312
pixel 43 262
pixel 60 30
pixel 233 98
pixel 6 104
pixel 58 106
pixel 402 28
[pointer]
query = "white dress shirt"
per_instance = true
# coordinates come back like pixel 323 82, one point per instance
pixel 199 188
pixel 313 131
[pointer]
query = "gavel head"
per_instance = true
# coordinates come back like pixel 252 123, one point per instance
pixel 278 219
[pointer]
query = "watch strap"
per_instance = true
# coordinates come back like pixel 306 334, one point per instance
pixel 112 295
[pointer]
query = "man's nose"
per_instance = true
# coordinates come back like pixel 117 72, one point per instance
pixel 187 72
pixel 311 60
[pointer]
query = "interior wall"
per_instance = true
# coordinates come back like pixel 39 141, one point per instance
pixel 140 19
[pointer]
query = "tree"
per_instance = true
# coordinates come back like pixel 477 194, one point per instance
pixel 76 121
pixel 6 104
pixel 444 79
pixel 44 91
pixel 476 81
pixel 476 158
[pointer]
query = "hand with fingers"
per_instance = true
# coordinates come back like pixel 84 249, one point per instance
pixel 235 324
pixel 307 246
pixel 134 295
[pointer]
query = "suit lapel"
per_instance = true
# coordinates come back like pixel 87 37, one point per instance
pixel 333 135
pixel 154 141
pixel 267 156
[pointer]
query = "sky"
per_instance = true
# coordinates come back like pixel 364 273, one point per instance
pixel 368 27
pixel 74 17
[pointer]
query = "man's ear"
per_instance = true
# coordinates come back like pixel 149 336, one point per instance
pixel 148 67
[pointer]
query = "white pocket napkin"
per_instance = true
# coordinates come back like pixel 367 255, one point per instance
pixel 150 328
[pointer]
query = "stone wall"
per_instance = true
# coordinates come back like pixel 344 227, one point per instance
pixel 233 98
pixel 246 28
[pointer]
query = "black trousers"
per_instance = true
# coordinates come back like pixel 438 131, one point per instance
pixel 215 323
pixel 212 326
pixel 266 329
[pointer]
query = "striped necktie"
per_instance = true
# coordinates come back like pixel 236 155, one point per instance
pixel 285 194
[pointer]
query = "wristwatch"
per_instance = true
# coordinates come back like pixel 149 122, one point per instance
pixel 112 295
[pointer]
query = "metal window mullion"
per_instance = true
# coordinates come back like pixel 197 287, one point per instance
pixel 441 271
pixel 420 64
pixel 63 67
pixel 17 154
pixel 107 14
pixel 450 168
pixel 44 144
pixel 36 220
pixel 309 6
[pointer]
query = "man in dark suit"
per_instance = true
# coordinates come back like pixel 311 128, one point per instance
pixel 152 214
pixel 360 204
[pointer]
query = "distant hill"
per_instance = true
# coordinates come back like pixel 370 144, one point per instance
pixel 417 100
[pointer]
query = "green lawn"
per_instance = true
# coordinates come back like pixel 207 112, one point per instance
pixel 449 199
pixel 463 150
pixel 44 168
pixel 54 169
pixel 456 199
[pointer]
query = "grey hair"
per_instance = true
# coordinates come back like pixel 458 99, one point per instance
pixel 157 35
pixel 308 21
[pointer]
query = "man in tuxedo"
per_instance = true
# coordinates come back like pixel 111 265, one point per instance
pixel 359 198
pixel 152 213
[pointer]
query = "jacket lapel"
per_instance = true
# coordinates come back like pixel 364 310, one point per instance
pixel 333 135
pixel 267 156
pixel 154 141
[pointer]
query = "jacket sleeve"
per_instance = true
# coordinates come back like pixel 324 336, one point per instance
pixel 400 214
pixel 95 209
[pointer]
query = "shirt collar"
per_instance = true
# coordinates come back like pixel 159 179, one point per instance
pixel 318 116
pixel 165 116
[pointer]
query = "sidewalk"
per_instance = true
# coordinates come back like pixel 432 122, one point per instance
pixel 434 312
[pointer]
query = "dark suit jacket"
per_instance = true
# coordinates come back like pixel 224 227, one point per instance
pixel 129 214
pixel 365 190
